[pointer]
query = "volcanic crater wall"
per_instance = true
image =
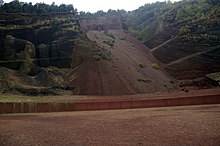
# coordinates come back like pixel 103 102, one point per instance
pixel 103 23
pixel 51 35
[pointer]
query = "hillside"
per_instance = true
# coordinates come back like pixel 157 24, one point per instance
pixel 121 66
pixel 39 48
pixel 160 47
pixel 184 36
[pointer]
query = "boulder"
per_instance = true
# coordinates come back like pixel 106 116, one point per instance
pixel 16 53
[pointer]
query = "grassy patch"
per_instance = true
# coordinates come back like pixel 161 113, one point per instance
pixel 141 65
pixel 42 46
pixel 102 55
pixel 105 56
pixel 97 58
pixel 144 80
pixel 109 42
pixel 155 66
pixel 71 29
pixel 4 98
pixel 43 28
pixel 214 76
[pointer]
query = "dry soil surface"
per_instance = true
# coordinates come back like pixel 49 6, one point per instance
pixel 127 69
pixel 182 126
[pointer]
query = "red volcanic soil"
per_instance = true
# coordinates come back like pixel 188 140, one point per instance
pixel 128 71
pixel 192 125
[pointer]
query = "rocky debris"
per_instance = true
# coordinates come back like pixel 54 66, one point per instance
pixel 17 54
pixel 13 47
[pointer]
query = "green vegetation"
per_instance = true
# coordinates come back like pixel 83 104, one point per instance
pixel 155 66
pixel 101 13
pixel 29 99
pixel 144 80
pixel 22 99
pixel 184 30
pixel 43 24
pixel 105 56
pixel 69 24
pixel 98 49
pixel 52 33
pixel 71 29
pixel 39 8
pixel 141 65
pixel 97 58
pixel 109 42
pixel 26 65
pixel 43 28
pixel 193 19
pixel 42 46
pixel 214 76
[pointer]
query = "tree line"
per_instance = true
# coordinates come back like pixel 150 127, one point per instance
pixel 39 8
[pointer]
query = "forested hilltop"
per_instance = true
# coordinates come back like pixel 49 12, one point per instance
pixel 195 17
pixel 39 8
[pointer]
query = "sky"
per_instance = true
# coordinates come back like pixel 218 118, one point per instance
pixel 95 5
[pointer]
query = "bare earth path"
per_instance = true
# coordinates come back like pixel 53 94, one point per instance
pixel 192 125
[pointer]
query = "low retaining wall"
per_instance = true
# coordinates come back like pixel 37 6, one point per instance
pixel 87 106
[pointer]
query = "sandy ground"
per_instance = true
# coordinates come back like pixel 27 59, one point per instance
pixel 182 126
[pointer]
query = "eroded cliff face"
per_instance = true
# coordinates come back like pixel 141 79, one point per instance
pixel 186 44
pixel 49 39
pixel 17 54
pixel 37 52
pixel 103 23
pixel 13 46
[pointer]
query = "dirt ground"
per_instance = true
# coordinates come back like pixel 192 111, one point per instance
pixel 128 71
pixel 182 126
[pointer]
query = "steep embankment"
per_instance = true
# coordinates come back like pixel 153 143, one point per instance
pixel 34 49
pixel 52 36
pixel 185 39
pixel 122 65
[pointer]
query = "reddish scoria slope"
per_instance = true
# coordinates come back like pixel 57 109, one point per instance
pixel 128 71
